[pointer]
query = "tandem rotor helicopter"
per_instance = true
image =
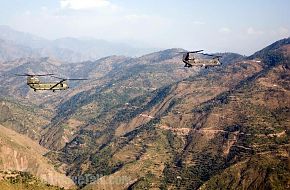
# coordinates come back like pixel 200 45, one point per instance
pixel 200 62
pixel 34 83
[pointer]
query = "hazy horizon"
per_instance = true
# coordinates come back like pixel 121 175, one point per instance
pixel 224 26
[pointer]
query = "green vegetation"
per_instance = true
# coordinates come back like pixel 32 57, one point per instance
pixel 16 180
pixel 258 172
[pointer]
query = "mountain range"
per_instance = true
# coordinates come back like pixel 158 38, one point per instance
pixel 150 123
pixel 15 44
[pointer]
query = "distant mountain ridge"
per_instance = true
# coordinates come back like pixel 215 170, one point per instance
pixel 11 51
pixel 68 49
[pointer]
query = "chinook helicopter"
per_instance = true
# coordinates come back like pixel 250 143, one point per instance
pixel 201 62
pixel 34 83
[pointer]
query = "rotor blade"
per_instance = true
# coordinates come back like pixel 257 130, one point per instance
pixel 31 75
pixel 51 88
pixel 196 51
pixel 58 78
pixel 50 74
pixel 208 54
pixel 67 79
pixel 182 52
pixel 190 51
pixel 77 79
pixel 24 75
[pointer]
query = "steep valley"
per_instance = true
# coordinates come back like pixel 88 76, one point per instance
pixel 193 129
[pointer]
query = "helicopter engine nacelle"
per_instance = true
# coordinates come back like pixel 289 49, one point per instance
pixel 33 80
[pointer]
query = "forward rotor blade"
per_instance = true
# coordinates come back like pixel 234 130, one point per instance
pixel 208 54
pixel 32 75
pixel 21 75
pixel 196 51
pixel 50 74
pixel 191 51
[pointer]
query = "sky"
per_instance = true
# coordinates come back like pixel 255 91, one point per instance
pixel 241 26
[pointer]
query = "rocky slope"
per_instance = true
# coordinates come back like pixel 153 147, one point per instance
pixel 22 154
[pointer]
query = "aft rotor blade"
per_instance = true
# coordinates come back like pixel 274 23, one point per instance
pixel 21 75
pixel 44 75
pixel 58 78
pixel 51 88
pixel 77 79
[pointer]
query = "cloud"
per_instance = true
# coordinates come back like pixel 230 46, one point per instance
pixel 225 30
pixel 85 4
pixel 252 31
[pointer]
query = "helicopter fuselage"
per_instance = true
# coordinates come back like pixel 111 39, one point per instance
pixel 36 84
pixel 48 86
pixel 202 63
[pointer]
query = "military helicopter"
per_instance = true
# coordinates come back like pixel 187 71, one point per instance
pixel 34 83
pixel 201 62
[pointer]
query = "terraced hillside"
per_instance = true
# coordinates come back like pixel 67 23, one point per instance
pixel 24 117
pixel 193 133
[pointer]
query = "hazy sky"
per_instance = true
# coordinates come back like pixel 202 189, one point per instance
pixel 242 26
